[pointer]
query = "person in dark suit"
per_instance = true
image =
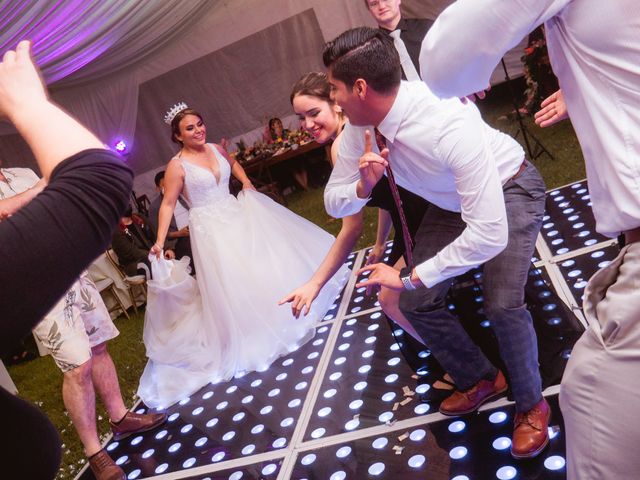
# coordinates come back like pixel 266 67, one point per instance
pixel 407 33
pixel 177 238
pixel 132 240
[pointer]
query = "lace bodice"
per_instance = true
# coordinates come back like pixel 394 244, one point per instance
pixel 200 184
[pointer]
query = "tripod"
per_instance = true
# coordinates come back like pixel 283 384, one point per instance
pixel 538 147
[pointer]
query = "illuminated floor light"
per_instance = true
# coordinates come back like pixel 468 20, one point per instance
pixel 555 462
pixel 376 469
pixel 174 447
pixel 186 429
pixel 161 468
pixel 295 403
pixel 418 435
pixel 217 457
pixel 392 362
pixel 236 475
pixel 247 399
pixel 134 474
pixel 318 432
pixel 457 453
pixel 124 458
pixel 501 443
pixel 391 378
pixel 497 417
pixel 422 409
pixel 352 424
pixel 148 453
pixel 238 416
pixel 385 417
pixel 279 442
pixel 339 360
pixel 136 440
pixel 417 461
pixel 457 426
pixel 364 369
pixel 201 441
pixel 343 452
pixel 388 397
pixel 506 473
pixel 266 410
pixel 339 475
pixel 360 386
pixel 356 404
pixel 308 459
pixel 323 412
pixel 228 436
pixel 173 417
pixel 190 462
pixel 114 445
pixel 422 388
pixel 211 423
pixel 257 429
pixel 380 443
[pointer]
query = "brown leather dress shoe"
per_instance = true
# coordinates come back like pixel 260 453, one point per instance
pixel 530 431
pixel 104 468
pixel 461 403
pixel 136 423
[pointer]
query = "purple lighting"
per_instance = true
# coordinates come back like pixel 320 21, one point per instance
pixel 121 147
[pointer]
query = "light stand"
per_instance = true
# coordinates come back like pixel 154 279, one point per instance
pixel 539 148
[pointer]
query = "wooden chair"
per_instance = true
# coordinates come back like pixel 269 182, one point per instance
pixel 106 284
pixel 134 282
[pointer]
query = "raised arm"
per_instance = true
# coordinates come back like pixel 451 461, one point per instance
pixel 51 133
pixel 455 65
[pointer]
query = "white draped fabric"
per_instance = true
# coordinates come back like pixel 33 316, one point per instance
pixel 97 57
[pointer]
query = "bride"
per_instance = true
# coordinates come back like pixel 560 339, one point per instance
pixel 248 251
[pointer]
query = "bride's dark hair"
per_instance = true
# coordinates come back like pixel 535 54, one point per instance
pixel 313 84
pixel 175 123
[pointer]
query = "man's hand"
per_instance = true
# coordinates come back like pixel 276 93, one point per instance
pixel 552 110
pixel 301 298
pixel 371 167
pixel 170 255
pixel 183 232
pixel 381 275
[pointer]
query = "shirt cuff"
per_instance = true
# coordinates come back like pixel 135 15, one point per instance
pixel 355 203
pixel 428 274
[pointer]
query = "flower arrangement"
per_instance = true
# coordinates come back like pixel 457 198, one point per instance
pixel 290 139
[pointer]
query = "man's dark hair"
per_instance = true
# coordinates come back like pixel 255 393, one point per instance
pixel 159 176
pixel 364 53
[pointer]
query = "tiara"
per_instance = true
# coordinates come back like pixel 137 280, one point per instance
pixel 173 111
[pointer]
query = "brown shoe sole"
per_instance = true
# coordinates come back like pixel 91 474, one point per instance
pixel 457 413
pixel 122 436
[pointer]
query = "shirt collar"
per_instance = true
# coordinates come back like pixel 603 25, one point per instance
pixel 390 124
pixel 402 25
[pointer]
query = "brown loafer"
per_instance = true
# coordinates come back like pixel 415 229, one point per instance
pixel 136 423
pixel 531 431
pixel 461 403
pixel 104 468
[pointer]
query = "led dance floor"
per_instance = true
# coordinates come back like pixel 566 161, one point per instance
pixel 349 405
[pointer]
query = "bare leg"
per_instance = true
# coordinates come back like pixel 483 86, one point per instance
pixel 106 383
pixel 301 178
pixel 389 302
pixel 80 401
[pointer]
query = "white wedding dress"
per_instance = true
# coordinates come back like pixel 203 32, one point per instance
pixel 248 252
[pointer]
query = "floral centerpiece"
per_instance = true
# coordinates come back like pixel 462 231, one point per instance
pixel 290 139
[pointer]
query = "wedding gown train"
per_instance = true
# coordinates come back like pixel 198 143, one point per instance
pixel 248 252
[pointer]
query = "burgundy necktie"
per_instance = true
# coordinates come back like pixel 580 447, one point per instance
pixel 408 242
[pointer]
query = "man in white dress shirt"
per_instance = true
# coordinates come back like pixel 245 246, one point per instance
pixel 594 48
pixel 486 208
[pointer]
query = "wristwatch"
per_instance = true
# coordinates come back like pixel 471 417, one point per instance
pixel 405 277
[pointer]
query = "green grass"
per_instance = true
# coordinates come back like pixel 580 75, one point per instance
pixel 40 380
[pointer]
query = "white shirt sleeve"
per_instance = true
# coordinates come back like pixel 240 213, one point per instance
pixel 340 197
pixel 463 145
pixel 454 64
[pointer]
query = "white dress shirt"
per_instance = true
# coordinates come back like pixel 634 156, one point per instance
pixel 18 180
pixel 444 152
pixel 594 48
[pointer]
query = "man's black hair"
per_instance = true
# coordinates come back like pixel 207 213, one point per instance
pixel 366 53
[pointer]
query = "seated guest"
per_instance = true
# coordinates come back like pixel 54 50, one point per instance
pixel 132 241
pixel 178 236
pixel 278 134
